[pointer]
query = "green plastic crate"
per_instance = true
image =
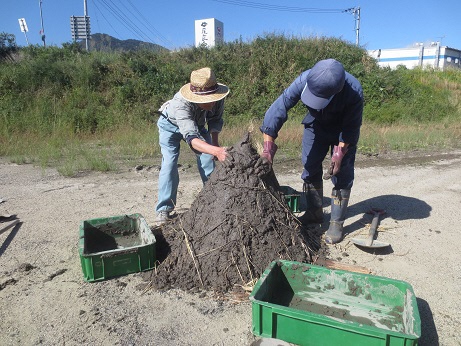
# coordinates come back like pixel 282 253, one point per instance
pixel 306 304
pixel 291 198
pixel 114 246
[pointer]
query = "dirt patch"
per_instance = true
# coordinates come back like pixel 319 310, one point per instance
pixel 45 301
pixel 237 225
pixel 410 158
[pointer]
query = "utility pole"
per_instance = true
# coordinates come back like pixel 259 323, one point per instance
pixel 437 53
pixel 42 31
pixel 441 39
pixel 85 14
pixel 356 13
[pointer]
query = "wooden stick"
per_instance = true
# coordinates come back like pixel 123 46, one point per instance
pixel 236 266
pixel 248 262
pixel 330 264
pixel 192 254
pixel 191 251
pixel 7 227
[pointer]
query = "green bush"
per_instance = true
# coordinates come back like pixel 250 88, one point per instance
pixel 52 90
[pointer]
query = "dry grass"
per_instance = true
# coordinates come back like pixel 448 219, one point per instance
pixel 374 138
pixel 129 146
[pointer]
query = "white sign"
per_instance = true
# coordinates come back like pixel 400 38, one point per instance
pixel 23 25
pixel 80 27
pixel 208 32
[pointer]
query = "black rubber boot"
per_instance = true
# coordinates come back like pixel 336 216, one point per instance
pixel 313 194
pixel 339 201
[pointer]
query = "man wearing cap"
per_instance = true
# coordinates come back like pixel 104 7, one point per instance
pixel 194 115
pixel 334 99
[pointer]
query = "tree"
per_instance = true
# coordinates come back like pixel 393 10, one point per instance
pixel 7 46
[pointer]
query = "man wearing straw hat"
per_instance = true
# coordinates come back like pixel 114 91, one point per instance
pixel 334 99
pixel 195 114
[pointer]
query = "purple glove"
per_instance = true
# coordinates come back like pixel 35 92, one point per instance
pixel 336 158
pixel 269 150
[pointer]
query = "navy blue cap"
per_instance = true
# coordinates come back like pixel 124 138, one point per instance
pixel 324 81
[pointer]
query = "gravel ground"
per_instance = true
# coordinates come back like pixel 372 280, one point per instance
pixel 44 299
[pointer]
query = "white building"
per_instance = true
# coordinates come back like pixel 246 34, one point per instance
pixel 208 32
pixel 431 56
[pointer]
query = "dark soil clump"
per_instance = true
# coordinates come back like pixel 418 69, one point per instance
pixel 237 225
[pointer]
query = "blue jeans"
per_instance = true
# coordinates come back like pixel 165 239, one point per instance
pixel 170 140
pixel 316 144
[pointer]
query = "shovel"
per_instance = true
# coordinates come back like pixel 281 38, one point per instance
pixel 370 242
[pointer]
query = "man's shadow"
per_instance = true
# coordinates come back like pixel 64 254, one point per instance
pixel 397 207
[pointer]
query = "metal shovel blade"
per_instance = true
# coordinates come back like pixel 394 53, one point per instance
pixel 370 242
pixel 374 245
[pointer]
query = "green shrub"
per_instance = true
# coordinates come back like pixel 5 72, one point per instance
pixel 57 91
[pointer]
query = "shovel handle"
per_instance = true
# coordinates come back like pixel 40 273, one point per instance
pixel 373 227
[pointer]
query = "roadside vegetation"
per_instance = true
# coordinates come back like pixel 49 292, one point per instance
pixel 74 110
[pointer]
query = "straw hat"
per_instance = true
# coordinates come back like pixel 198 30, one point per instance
pixel 203 87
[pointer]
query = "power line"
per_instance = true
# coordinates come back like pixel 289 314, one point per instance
pixel 102 14
pixel 127 22
pixel 258 5
pixel 149 26
pixel 122 16
pixel 270 7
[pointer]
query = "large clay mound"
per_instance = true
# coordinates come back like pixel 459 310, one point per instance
pixel 237 225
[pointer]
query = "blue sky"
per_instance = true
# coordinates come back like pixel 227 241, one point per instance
pixel 383 24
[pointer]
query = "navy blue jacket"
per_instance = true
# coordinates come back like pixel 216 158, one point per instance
pixel 343 115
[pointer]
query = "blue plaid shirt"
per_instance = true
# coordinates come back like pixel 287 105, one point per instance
pixel 191 119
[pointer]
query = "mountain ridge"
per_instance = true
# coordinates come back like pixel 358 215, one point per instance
pixel 105 42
